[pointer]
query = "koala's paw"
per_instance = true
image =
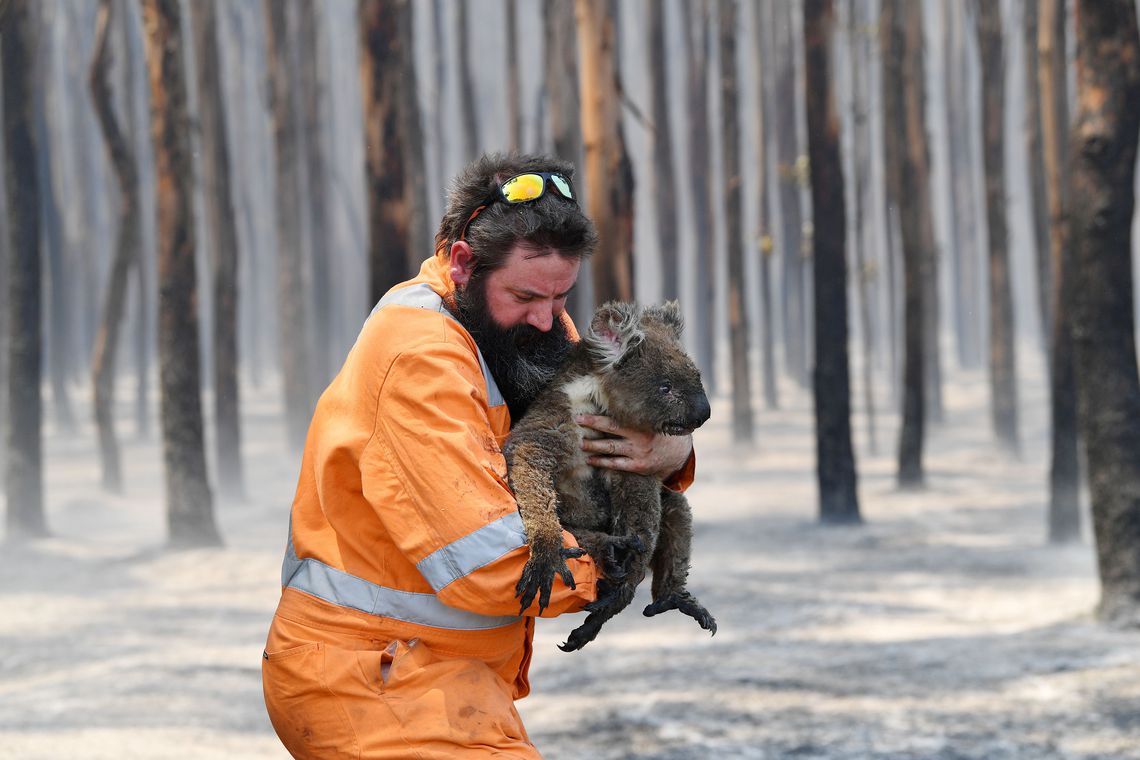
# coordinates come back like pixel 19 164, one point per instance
pixel 585 633
pixel 686 603
pixel 538 574
pixel 616 555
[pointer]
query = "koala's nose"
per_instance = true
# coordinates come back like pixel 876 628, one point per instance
pixel 699 409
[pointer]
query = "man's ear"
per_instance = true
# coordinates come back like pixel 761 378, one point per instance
pixel 462 262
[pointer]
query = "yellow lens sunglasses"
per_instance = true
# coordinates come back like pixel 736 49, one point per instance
pixel 522 188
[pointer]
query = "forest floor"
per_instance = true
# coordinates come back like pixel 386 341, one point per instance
pixel 943 627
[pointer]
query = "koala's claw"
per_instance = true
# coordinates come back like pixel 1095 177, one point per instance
pixel 538 576
pixel 686 603
pixel 585 633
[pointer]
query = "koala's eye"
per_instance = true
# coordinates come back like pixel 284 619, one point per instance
pixel 664 387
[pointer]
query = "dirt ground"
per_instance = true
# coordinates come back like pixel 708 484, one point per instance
pixel 942 628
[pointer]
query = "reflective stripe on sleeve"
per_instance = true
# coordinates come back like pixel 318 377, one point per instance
pixel 474 550
pixel 345 590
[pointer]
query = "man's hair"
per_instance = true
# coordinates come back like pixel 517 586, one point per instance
pixel 549 222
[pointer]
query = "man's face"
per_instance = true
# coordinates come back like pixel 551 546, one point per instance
pixel 514 315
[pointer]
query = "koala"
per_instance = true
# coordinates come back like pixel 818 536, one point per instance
pixel 629 366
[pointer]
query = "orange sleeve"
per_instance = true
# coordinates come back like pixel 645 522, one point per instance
pixel 683 478
pixel 451 512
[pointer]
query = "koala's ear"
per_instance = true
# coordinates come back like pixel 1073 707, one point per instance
pixel 614 331
pixel 669 313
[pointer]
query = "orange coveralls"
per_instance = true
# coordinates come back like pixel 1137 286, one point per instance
pixel 397 634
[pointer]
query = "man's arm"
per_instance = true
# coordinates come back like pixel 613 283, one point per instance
pixel 456 519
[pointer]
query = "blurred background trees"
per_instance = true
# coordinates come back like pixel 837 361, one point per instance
pixel 287 163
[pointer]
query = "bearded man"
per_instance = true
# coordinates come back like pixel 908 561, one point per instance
pixel 398 631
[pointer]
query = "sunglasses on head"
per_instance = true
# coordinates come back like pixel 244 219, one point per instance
pixel 522 188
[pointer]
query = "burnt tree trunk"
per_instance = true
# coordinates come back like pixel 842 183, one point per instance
pixel 62 344
pixel 791 173
pixel 560 75
pixel 126 253
pixel 663 179
pixel 1103 201
pixel 859 41
pixel 383 48
pixel 470 117
pixel 696 39
pixel 314 115
pixel 1003 363
pixel 24 482
pixel 5 274
pixel 137 141
pixel 514 108
pixel 1064 471
pixel 1039 211
pixel 190 515
pixel 917 144
pixel 609 173
pixel 420 237
pixel 835 459
pixel 963 238
pixel 295 362
pixel 734 227
pixel 900 24
pixel 761 62
pixel 222 216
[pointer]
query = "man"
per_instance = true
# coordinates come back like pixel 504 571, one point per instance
pixel 398 632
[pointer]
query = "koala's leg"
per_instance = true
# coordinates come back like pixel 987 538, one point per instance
pixel 637 512
pixel 613 554
pixel 533 464
pixel 670 563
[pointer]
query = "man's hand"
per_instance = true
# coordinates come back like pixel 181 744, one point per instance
pixel 653 454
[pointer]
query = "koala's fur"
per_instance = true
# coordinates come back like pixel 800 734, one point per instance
pixel 631 367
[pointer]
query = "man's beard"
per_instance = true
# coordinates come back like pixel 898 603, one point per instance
pixel 522 359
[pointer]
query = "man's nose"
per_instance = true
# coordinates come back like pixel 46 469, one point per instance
pixel 541 318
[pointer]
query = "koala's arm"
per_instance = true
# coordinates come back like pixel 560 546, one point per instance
pixel 455 519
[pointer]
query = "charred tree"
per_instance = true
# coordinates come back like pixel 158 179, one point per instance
pixel 137 140
pixel 470 118
pixel 761 60
pixel 859 45
pixel 314 116
pixel 514 98
pixel 901 25
pixel 127 243
pixel 420 237
pixel 963 253
pixel 560 76
pixel 1036 164
pixel 221 212
pixel 190 515
pixel 835 459
pixel 381 66
pixel 1064 471
pixel 24 482
pixel 609 172
pixel 295 361
pixel 1103 201
pixel 663 180
pixel 696 39
pixel 1003 363
pixel 792 178
pixel 734 227
pixel 61 306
